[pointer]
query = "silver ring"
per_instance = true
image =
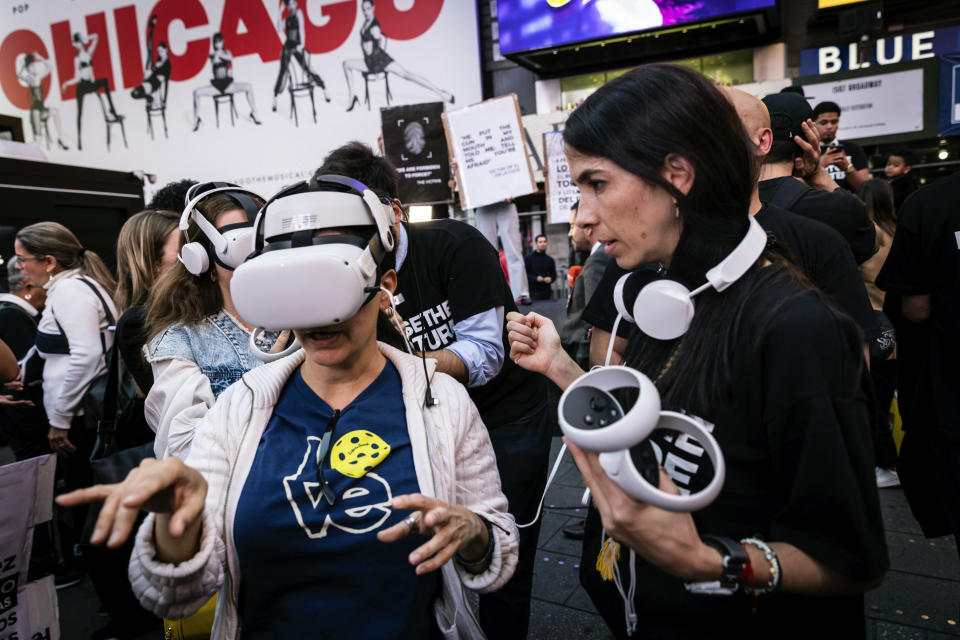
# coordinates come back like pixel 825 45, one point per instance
pixel 411 521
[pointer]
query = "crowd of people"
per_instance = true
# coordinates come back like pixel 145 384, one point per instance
pixel 357 456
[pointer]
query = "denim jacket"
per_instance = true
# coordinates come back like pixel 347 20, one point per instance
pixel 192 365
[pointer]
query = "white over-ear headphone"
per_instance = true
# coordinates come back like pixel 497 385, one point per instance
pixel 664 308
pixel 231 244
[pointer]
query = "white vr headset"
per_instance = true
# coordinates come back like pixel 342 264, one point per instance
pixel 593 419
pixel 230 244
pixel 297 279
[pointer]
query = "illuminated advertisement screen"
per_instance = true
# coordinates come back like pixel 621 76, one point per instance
pixel 826 4
pixel 540 24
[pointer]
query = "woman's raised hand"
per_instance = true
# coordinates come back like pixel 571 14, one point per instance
pixel 535 346
pixel 451 528
pixel 167 487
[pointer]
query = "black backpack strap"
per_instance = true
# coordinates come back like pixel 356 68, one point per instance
pixel 106 310
pixel 787 194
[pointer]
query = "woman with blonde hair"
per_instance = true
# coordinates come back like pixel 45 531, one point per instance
pixel 73 338
pixel 147 245
pixel 198 345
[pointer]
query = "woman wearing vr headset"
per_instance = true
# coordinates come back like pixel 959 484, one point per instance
pixel 198 344
pixel 324 496
pixel 776 373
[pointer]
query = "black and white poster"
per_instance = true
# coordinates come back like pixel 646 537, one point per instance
pixel 413 139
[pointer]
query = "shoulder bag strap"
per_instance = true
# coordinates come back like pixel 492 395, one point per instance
pixel 106 310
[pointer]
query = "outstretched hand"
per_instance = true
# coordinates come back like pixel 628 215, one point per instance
pixel 451 528
pixel 167 487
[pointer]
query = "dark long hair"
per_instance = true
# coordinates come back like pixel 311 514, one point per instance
pixel 878 196
pixel 636 121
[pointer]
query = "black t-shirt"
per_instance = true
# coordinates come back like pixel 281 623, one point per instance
pixel 450 273
pixel 925 259
pixel 839 209
pixel 818 250
pixel 796 437
pixel 825 259
pixel 855 156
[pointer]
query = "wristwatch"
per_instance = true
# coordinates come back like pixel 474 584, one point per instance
pixel 734 561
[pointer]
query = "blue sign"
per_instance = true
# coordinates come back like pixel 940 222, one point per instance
pixel 949 124
pixel 540 24
pixel 887 50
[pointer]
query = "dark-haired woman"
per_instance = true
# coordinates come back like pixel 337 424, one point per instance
pixel 222 82
pixel 665 174
pixel 878 195
pixel 291 28
pixel 83 78
pixel 377 60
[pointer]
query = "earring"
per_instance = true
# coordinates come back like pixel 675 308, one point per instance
pixel 676 209
pixel 28 296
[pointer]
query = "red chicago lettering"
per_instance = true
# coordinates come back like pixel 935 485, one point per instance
pixel 409 24
pixel 128 42
pixel 261 35
pixel 334 31
pixel 16 43
pixel 192 14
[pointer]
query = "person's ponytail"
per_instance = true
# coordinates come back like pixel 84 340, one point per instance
pixel 92 266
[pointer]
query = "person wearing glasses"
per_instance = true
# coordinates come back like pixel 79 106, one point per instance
pixel 73 338
pixel 324 495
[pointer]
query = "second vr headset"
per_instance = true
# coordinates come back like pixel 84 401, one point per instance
pixel 297 276
pixel 230 244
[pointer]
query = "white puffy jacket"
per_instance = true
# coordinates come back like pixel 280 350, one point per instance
pixel 454 462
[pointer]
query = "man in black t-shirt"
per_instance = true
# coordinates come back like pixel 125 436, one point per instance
pixel 453 298
pixel 846 161
pixel 815 194
pixel 922 279
pixel 541 269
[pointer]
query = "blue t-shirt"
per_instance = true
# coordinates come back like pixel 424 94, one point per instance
pixel 311 570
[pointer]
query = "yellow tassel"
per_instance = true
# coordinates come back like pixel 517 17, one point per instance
pixel 608 557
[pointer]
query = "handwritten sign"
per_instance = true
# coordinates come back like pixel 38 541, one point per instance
pixel 487 141
pixel 561 192
pixel 28 610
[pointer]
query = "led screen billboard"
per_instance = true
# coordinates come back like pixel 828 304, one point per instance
pixel 537 24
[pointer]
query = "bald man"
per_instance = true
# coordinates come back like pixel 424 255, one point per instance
pixel 791 176
pixel 819 251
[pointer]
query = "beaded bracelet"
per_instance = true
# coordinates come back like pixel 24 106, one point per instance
pixel 775 574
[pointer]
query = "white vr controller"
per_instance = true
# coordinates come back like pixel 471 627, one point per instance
pixel 593 419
